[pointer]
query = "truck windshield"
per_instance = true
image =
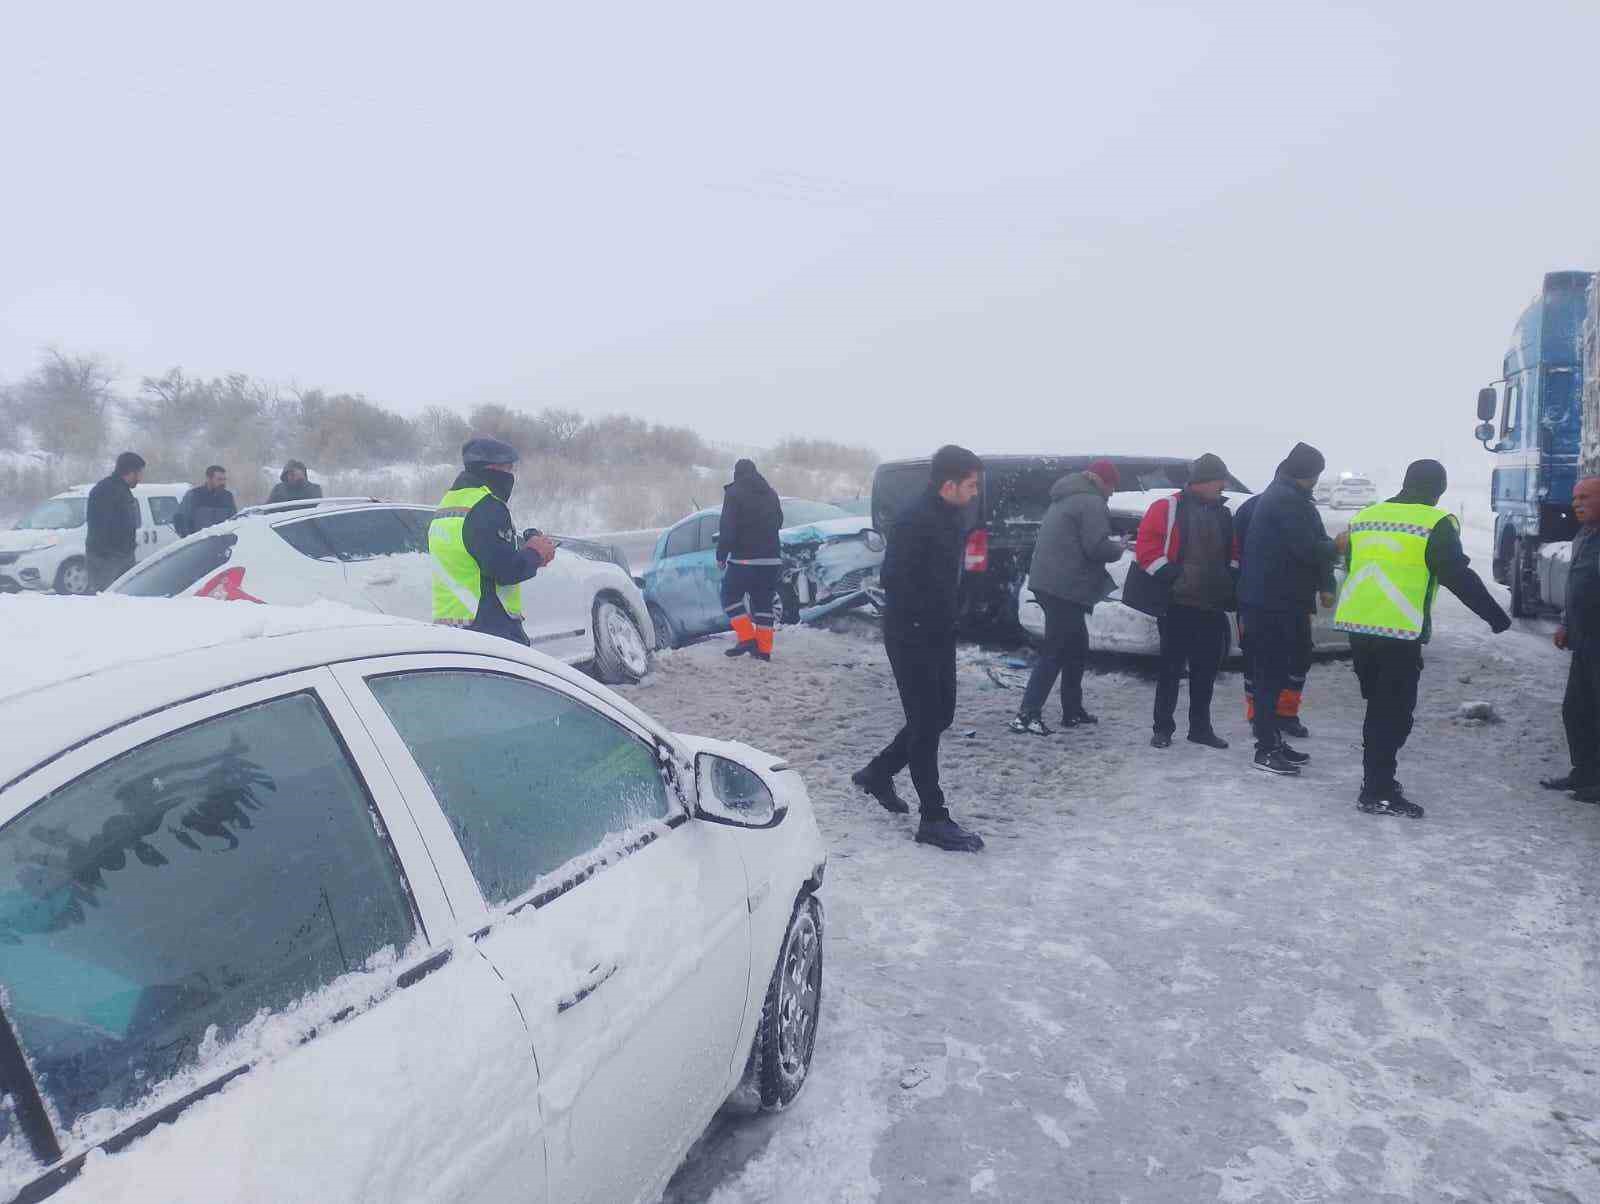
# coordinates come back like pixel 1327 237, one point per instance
pixel 58 514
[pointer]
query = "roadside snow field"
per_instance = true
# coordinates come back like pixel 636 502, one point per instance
pixel 1172 978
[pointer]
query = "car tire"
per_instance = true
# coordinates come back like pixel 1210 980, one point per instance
pixel 788 604
pixel 1521 606
pixel 781 1056
pixel 665 636
pixel 72 577
pixel 621 656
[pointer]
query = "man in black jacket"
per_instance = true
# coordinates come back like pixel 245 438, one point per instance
pixel 1579 634
pixel 293 485
pixel 1292 697
pixel 749 554
pixel 1389 667
pixel 921 580
pixel 205 505
pixel 113 520
pixel 1288 560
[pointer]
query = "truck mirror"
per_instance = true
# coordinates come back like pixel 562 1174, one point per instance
pixel 1488 403
pixel 1484 432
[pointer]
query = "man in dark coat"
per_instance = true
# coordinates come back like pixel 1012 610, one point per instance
pixel 921 580
pixel 1579 634
pixel 497 558
pixel 114 522
pixel 1186 543
pixel 293 485
pixel 750 556
pixel 205 505
pixel 1292 698
pixel 1288 560
pixel 1389 667
pixel 1068 576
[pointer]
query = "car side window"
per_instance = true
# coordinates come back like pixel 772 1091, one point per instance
pixel 306 538
pixel 416 522
pixel 707 538
pixel 680 540
pixel 159 903
pixel 365 534
pixel 162 509
pixel 186 566
pixel 529 778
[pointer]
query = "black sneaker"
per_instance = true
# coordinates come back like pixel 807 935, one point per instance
pixel 1567 781
pixel 1079 718
pixel 762 656
pixel 1270 760
pixel 1209 739
pixel 741 648
pixel 1588 794
pixel 948 835
pixel 1292 755
pixel 1293 727
pixel 1030 725
pixel 1161 740
pixel 882 791
pixel 1387 801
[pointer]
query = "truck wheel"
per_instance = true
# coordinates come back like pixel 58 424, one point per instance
pixel 1521 601
pixel 620 655
pixel 72 577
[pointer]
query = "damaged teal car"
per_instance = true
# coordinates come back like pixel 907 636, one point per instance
pixel 830 563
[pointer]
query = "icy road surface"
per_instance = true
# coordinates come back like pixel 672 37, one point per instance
pixel 1170 977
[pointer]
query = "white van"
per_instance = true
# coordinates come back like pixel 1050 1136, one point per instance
pixel 45 550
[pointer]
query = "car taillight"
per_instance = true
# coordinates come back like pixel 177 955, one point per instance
pixel 978 551
pixel 226 586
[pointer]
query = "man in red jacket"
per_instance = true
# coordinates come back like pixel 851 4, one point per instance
pixel 1186 544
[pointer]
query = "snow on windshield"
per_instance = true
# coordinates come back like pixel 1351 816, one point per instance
pixel 58 514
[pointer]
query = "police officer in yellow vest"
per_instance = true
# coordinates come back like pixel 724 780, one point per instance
pixel 1400 552
pixel 479 561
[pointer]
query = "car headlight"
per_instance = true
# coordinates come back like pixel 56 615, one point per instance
pixel 41 546
pixel 875 541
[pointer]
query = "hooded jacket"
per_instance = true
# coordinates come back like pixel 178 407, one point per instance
pixel 1075 544
pixel 752 515
pixel 1287 555
pixel 299 492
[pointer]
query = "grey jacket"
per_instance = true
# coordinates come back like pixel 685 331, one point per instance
pixel 1075 544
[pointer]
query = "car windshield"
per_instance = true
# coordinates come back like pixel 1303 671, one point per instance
pixel 57 514
pixel 796 512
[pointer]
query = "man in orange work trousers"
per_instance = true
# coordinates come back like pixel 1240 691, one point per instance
pixel 750 555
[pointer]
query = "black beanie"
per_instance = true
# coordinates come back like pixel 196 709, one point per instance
pixel 1426 477
pixel 743 469
pixel 1208 467
pixel 1303 463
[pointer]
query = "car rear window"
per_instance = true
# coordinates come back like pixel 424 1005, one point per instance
pixel 357 534
pixel 180 569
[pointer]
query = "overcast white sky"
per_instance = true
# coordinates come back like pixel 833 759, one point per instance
pixel 1130 227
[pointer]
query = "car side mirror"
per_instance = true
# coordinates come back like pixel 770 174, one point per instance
pixel 1484 432
pixel 1488 403
pixel 730 793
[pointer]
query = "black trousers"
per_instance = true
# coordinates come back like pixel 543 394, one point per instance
pixel 1196 640
pixel 1580 711
pixel 1389 672
pixel 103 570
pixel 925 674
pixel 1064 654
pixel 1276 641
pixel 751 589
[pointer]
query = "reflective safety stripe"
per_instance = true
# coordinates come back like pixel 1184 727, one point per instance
pixel 758 563
pixel 1401 528
pixel 452 512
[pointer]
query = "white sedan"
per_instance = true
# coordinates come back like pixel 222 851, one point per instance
pixel 582 608
pixel 305 904
pixel 1114 627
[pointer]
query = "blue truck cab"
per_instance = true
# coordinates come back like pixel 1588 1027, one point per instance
pixel 1531 421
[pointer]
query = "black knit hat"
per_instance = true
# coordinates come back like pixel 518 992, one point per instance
pixel 1426 477
pixel 1303 463
pixel 1208 467
pixel 743 469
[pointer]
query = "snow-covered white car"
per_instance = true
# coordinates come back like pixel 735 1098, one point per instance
pixel 315 904
pixel 1114 627
pixel 1351 491
pixel 45 550
pixel 582 608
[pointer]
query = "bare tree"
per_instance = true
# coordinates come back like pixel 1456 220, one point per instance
pixel 68 400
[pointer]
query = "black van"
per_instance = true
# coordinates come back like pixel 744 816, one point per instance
pixel 1003 523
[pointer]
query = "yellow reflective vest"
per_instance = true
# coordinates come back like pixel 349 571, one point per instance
pixel 457 580
pixel 1389 590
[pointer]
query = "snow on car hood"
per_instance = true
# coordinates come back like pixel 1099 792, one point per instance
pixel 829 528
pixel 18 541
pixel 45 640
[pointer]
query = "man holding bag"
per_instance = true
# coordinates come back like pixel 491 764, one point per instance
pixel 1185 577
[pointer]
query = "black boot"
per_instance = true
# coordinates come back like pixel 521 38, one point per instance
pixel 741 648
pixel 1078 718
pixel 1567 781
pixel 1209 738
pixel 948 835
pixel 1292 755
pixel 882 790
pixel 1161 740
pixel 1291 726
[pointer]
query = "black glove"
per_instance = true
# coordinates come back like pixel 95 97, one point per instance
pixel 1503 623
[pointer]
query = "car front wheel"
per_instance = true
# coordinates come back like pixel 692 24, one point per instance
pixel 73 577
pixel 620 653
pixel 788 1034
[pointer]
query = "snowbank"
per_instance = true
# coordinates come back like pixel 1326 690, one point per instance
pixel 46 639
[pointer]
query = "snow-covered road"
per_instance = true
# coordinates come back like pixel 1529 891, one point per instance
pixel 1172 978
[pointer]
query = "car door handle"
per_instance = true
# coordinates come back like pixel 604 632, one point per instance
pixel 592 982
pixel 383 579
